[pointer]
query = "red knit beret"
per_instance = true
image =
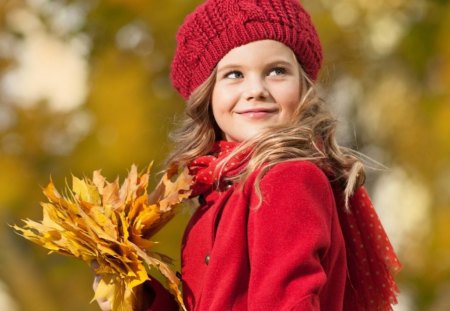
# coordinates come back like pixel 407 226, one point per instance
pixel 218 26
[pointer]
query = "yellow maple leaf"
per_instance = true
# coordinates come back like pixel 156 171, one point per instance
pixel 112 225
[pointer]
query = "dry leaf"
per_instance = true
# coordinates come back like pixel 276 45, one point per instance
pixel 112 224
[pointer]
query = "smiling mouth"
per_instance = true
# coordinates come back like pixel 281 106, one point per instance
pixel 257 113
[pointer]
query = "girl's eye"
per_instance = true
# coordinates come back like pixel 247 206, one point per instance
pixel 277 71
pixel 234 75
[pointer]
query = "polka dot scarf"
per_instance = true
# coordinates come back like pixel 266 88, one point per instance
pixel 371 260
pixel 210 171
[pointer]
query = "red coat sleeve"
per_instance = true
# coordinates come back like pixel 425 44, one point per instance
pixel 288 235
pixel 157 298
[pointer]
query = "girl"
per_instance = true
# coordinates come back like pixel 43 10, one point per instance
pixel 283 221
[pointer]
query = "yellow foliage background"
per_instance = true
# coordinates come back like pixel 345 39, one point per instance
pixel 84 86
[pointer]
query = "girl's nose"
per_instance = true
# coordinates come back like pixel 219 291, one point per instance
pixel 255 89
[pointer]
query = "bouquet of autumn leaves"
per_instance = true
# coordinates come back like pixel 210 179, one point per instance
pixel 111 225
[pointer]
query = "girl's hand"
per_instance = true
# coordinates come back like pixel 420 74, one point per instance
pixel 102 303
pixel 139 303
pixel 150 295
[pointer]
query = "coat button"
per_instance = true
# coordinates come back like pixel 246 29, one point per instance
pixel 207 259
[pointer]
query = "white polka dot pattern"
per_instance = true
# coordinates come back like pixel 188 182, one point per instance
pixel 371 260
pixel 208 170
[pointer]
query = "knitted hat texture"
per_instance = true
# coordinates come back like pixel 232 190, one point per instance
pixel 218 26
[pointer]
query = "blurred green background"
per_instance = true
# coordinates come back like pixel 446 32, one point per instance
pixel 84 85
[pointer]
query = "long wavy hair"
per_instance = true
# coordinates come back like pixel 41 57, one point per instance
pixel 311 136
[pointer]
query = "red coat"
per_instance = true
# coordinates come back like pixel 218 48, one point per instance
pixel 288 254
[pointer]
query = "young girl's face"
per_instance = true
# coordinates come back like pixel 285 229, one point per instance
pixel 257 85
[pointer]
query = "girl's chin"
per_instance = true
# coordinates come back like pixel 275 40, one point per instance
pixel 241 137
